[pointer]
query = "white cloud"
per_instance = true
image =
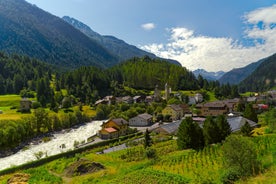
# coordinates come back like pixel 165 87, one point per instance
pixel 266 15
pixel 221 53
pixel 148 26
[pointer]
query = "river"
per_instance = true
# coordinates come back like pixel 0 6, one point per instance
pixel 60 142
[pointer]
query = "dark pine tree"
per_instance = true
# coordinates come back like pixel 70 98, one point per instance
pixel 223 126
pixel 189 135
pixel 148 140
pixel 250 113
pixel 246 129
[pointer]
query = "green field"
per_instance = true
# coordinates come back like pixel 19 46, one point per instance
pixel 9 101
pixel 9 105
pixel 130 166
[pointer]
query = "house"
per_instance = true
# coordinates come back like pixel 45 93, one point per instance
pixel 198 98
pixel 101 101
pixel 106 100
pixel 212 109
pixel 113 128
pixel 110 99
pixel 175 111
pixel 138 99
pixel 192 100
pixel 237 122
pixel 168 129
pixel 232 104
pixel 141 120
pixel 149 99
pixel 127 99
pixel 25 105
pixel 251 99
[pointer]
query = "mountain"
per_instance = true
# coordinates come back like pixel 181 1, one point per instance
pixel 263 78
pixel 117 47
pixel 236 75
pixel 211 76
pixel 28 30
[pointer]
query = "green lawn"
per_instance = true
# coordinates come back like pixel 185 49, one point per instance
pixel 9 100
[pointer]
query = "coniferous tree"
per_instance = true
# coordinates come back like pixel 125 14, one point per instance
pixel 246 129
pixel 250 113
pixel 211 131
pixel 148 140
pixel 189 135
pixel 223 126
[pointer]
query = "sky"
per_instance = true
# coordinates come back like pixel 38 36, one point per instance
pixel 214 35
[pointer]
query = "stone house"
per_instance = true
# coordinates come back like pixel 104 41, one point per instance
pixel 141 120
pixel 25 105
pixel 212 109
pixel 168 129
pixel 176 111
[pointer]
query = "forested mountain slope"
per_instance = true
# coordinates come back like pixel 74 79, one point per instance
pixel 117 47
pixel 236 75
pixel 18 72
pixel 263 78
pixel 26 29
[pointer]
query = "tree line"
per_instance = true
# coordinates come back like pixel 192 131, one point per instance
pixel 14 132
pixel 21 74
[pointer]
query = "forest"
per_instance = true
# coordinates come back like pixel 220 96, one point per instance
pixel 89 84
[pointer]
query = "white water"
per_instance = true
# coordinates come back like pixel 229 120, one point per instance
pixel 54 146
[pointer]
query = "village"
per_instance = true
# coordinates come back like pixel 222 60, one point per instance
pixel 196 108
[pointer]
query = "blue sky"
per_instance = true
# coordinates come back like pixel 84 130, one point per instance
pixel 210 34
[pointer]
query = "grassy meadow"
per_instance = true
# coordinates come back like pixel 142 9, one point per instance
pixel 9 105
pixel 131 166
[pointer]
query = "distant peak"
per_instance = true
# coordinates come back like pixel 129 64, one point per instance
pixel 77 24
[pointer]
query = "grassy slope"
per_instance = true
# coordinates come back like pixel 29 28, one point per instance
pixel 6 103
pixel 172 166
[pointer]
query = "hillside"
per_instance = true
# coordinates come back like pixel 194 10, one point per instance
pixel 117 47
pixel 28 30
pixel 18 72
pixel 146 73
pixel 131 166
pixel 263 78
pixel 236 75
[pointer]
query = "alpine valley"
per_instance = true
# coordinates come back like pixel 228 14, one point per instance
pixel 80 107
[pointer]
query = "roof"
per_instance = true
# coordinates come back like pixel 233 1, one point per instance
pixel 145 116
pixel 214 104
pixel 199 119
pixel 237 122
pixel 120 121
pixel 25 100
pixel 136 97
pixel 110 130
pixel 175 107
pixel 171 128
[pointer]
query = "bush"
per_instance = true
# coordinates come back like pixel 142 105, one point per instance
pixel 150 153
pixel 230 176
pixel 240 155
pixel 36 105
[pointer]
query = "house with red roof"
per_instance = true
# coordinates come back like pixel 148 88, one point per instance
pixel 113 128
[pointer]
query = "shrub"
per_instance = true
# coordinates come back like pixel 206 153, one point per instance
pixel 240 155
pixel 150 153
pixel 36 105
